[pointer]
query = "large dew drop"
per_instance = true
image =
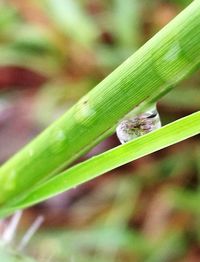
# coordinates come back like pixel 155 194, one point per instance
pixel 131 128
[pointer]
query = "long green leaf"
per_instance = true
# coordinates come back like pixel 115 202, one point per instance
pixel 162 62
pixel 98 165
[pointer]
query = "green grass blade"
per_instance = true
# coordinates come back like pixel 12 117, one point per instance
pixel 167 58
pixel 98 165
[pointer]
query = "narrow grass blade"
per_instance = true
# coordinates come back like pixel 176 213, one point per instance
pixel 98 165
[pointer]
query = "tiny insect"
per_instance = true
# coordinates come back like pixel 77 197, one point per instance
pixel 129 129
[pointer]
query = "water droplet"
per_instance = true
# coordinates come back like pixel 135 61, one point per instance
pixel 173 53
pixel 84 110
pixel 60 135
pixel 31 152
pixel 129 129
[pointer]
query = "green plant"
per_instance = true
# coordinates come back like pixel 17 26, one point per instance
pixel 139 82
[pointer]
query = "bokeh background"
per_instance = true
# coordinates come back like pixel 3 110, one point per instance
pixel 52 52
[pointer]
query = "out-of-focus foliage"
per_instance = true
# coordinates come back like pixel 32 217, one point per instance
pixel 53 52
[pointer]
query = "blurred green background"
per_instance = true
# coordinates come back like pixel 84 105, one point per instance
pixel 52 52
